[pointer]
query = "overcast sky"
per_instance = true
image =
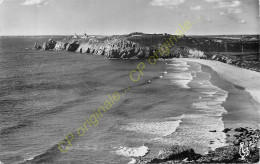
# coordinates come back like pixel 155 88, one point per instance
pixel 43 17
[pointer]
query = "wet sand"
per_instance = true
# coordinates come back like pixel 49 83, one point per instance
pixel 243 102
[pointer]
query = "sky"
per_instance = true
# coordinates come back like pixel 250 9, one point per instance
pixel 111 17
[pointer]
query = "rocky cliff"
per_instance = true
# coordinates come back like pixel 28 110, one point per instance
pixel 241 52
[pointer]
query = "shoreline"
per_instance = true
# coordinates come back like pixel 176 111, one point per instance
pixel 235 134
pixel 242 78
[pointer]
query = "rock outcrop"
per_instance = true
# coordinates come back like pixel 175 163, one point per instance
pixel 176 153
pixel 122 48
pixel 60 45
pixel 36 46
pixel 227 154
pixel 72 46
pixel 49 45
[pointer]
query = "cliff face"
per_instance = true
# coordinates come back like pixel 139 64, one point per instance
pixel 243 53
pixel 50 44
pixel 126 49
pixel 60 45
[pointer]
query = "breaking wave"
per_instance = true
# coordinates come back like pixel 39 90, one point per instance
pixel 153 128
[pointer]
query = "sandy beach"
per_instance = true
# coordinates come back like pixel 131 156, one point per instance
pixel 241 77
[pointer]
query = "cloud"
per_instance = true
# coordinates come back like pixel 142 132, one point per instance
pixel 242 21
pixel 1 1
pixel 34 2
pixel 212 0
pixel 195 7
pixel 28 2
pixel 231 11
pixel 205 19
pixel 225 3
pixel 166 3
pixel 222 4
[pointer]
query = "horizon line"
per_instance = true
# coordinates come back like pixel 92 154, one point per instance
pixel 123 34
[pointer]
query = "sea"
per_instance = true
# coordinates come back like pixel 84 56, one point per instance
pixel 48 95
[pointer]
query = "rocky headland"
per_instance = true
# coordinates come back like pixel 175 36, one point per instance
pixel 242 51
pixel 242 147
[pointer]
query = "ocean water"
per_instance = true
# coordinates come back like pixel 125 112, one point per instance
pixel 46 95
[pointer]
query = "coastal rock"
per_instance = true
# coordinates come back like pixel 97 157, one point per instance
pixel 257 131
pixel 60 45
pixel 122 48
pixel 240 129
pixel 50 44
pixel 72 46
pixel 176 153
pixel 226 130
pixel 212 131
pixel 226 154
pixel 84 48
pixel 36 46
pixel 229 154
pixel 253 156
pixel 144 46
pixel 193 53
pixel 112 54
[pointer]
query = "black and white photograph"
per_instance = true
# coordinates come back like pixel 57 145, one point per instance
pixel 129 81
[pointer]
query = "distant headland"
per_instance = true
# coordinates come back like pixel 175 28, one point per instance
pixel 239 50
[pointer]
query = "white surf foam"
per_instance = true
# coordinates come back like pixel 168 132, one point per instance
pixel 181 83
pixel 210 113
pixel 132 151
pixel 182 75
pixel 176 65
pixel 27 159
pixel 180 79
pixel 133 161
pixel 180 65
pixel 203 128
pixel 153 128
pixel 195 131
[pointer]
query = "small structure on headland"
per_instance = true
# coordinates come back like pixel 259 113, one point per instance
pixel 84 36
pixel 75 36
pixel 136 34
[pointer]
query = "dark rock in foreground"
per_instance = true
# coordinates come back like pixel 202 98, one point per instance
pixel 227 154
pixel 226 130
pixel 176 153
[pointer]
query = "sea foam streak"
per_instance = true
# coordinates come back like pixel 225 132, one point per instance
pixel 195 131
pixel 178 66
pixel 181 79
pixel 153 128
